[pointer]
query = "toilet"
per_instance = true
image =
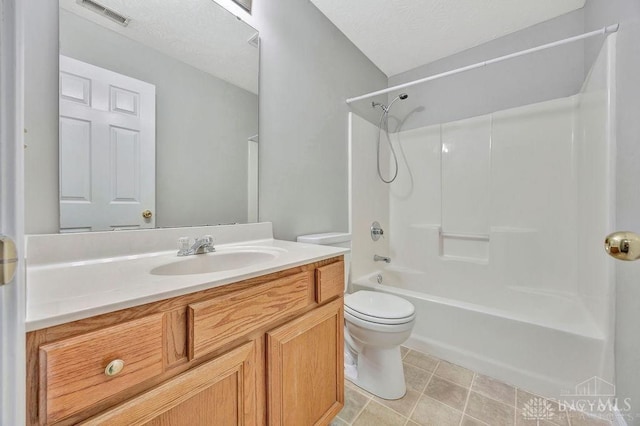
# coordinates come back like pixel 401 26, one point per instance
pixel 376 324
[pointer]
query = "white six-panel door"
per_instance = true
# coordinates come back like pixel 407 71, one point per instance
pixel 107 149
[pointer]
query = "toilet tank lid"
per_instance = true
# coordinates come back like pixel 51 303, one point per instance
pixel 325 238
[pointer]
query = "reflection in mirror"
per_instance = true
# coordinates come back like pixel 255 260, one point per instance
pixel 158 115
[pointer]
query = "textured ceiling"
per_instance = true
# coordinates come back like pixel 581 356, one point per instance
pixel 399 35
pixel 197 32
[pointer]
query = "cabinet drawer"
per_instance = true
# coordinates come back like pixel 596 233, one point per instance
pixel 218 321
pixel 218 392
pixel 329 281
pixel 72 371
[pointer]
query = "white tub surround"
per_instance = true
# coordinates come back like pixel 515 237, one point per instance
pixel 503 337
pixel 494 228
pixel 75 276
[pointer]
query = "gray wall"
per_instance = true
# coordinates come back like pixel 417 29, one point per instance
pixel 41 117
pixel 532 78
pixel 308 69
pixel 202 127
pixel 627 170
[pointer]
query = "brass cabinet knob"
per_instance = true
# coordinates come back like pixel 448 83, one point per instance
pixel 623 245
pixel 147 214
pixel 114 368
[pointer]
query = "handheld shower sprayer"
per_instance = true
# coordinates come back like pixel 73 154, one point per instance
pixel 385 108
pixel 384 125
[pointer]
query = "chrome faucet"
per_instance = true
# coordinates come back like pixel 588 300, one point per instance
pixel 384 259
pixel 200 246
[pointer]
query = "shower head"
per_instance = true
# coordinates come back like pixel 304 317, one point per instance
pixel 385 108
pixel 401 96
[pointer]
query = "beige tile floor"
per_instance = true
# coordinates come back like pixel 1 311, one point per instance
pixel 442 394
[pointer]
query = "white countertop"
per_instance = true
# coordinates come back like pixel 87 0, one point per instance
pixel 62 292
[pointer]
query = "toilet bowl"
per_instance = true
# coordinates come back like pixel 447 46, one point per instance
pixel 376 324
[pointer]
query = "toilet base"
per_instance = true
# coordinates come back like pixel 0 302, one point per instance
pixel 380 372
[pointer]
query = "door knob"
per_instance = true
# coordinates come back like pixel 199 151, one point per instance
pixel 147 214
pixel 8 259
pixel 623 245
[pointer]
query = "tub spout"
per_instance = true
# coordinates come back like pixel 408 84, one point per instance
pixel 384 259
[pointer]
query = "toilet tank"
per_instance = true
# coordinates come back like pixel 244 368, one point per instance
pixel 334 239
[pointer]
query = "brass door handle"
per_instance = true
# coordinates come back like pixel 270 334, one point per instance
pixel 623 245
pixel 147 214
pixel 8 259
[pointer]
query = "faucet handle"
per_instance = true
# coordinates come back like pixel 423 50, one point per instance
pixel 207 242
pixel 184 244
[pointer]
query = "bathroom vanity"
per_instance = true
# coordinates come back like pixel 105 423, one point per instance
pixel 265 348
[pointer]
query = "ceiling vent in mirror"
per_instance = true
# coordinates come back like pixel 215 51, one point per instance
pixel 105 11
pixel 245 4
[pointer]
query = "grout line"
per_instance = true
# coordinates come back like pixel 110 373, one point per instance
pixel 454 383
pixel 406 353
pixel 423 369
pixel 414 407
pixel 495 400
pixel 361 411
pixel 466 402
pixel 433 373
pixel 515 413
pixel 420 394
pixel 361 391
pixel 389 408
pixel 477 420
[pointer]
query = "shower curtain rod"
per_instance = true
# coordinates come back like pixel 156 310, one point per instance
pixel 605 30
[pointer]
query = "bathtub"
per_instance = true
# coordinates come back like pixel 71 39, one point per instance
pixel 543 343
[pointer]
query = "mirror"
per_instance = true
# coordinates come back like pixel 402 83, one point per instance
pixel 158 115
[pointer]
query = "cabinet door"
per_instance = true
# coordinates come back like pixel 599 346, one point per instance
pixel 306 368
pixel 219 392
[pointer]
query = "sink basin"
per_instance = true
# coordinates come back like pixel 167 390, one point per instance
pixel 214 262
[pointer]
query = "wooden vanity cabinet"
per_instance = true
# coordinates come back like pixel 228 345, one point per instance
pixel 268 350
pixel 306 369
pixel 218 392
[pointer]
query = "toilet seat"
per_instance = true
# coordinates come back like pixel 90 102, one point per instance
pixel 377 320
pixel 379 308
pixel 352 320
